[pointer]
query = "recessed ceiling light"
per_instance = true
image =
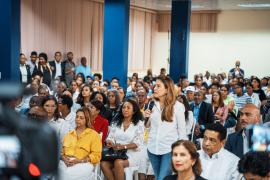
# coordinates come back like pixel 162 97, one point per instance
pixel 253 5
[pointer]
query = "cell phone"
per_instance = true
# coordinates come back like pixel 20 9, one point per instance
pixel 258 138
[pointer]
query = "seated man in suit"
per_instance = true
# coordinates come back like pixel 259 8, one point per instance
pixel 202 112
pixel 57 66
pixel 237 142
pixel 25 74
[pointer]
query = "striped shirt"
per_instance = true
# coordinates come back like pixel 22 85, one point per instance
pixel 241 101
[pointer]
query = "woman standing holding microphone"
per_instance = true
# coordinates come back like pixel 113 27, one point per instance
pixel 167 125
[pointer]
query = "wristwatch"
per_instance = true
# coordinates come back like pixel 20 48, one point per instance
pixel 125 147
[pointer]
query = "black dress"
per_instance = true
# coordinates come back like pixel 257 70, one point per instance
pixel 261 94
pixel 46 73
pixel 174 177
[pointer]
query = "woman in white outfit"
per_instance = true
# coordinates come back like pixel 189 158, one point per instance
pixel 50 105
pixel 126 133
pixel 167 125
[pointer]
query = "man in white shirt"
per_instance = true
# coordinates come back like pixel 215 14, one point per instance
pixel 25 74
pixel 33 61
pixel 217 162
pixel 64 106
pixel 57 66
pixel 254 96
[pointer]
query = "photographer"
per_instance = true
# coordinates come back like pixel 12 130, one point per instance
pixel 237 71
pixel 255 165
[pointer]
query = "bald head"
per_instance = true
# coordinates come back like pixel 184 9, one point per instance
pixel 254 109
pixel 249 114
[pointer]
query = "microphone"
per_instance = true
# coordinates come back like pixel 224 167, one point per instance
pixel 150 106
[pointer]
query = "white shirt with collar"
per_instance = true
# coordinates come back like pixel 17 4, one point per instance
pixel 58 69
pixel 69 122
pixel 255 99
pixel 222 165
pixel 32 65
pixel 23 73
pixel 163 134
pixel 58 125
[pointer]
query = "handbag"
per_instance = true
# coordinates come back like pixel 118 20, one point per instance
pixel 109 154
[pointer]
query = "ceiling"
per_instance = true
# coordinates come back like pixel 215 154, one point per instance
pixel 164 5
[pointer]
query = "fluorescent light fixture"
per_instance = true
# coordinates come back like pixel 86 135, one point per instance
pixel 254 5
pixel 197 6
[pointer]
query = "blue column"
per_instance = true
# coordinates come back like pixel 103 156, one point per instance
pixel 180 29
pixel 9 39
pixel 115 48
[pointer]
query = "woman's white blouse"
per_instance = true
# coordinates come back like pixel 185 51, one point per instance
pixel 162 133
pixel 133 134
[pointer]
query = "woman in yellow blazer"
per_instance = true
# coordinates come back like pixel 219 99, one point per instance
pixel 81 149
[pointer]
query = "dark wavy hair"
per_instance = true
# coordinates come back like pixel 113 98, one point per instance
pixel 136 117
pixel 44 55
pixel 80 97
pixel 258 81
pixel 257 163
pixel 191 148
pixel 93 96
pixel 98 105
pixel 48 98
pixel 186 104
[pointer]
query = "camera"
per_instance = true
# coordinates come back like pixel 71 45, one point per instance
pixel 28 149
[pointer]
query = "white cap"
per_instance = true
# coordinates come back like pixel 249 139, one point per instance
pixel 190 88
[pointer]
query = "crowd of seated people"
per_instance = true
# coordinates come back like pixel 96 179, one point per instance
pixel 196 129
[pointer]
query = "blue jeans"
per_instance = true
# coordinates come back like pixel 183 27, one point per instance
pixel 161 164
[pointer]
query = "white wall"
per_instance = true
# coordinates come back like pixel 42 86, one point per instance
pixel 243 35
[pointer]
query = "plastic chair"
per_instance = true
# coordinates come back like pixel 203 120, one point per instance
pixel 130 172
pixel 97 173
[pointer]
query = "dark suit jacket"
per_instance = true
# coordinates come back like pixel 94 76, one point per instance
pixel 28 74
pixel 52 64
pixel 206 115
pixel 235 143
